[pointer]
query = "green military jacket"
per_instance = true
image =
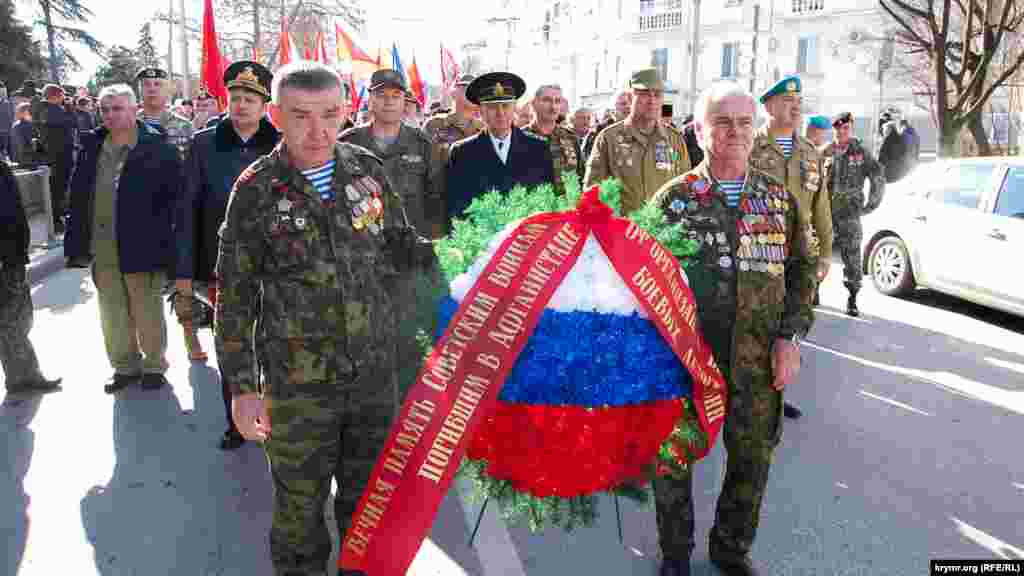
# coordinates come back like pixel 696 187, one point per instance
pixel 801 175
pixel 311 276
pixel 844 175
pixel 753 276
pixel 179 131
pixel 643 163
pixel 413 170
pixel 565 150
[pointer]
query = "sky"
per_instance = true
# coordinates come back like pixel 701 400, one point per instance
pixel 418 29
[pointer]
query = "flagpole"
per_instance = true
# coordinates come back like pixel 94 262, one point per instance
pixel 184 53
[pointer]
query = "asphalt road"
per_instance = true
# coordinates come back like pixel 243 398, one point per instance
pixel 910 449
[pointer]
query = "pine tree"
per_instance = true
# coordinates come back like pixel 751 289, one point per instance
pixel 121 66
pixel 20 57
pixel 59 18
pixel 145 52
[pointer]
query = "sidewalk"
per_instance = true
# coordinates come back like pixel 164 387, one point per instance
pixel 45 256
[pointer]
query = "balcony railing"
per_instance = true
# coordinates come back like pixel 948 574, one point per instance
pixel 804 7
pixel 664 21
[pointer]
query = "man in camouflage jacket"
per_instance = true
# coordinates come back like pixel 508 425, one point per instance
pixel 847 164
pixel 753 279
pixel 562 141
pixel 307 258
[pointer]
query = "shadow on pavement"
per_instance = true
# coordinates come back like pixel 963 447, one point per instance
pixel 956 305
pixel 15 416
pixel 63 291
pixel 153 516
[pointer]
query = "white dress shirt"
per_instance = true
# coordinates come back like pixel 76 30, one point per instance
pixel 501 146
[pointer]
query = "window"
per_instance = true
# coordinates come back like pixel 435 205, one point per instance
pixel 730 59
pixel 807 55
pixel 659 61
pixel 964 185
pixel 1011 196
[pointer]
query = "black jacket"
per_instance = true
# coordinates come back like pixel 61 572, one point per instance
pixel 216 158
pixel 14 230
pixel 474 168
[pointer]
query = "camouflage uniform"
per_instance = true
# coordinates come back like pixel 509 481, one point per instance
pixel 445 130
pixel 642 162
pixel 314 278
pixel 413 175
pixel 753 280
pixel 178 130
pixel 17 356
pixel 565 150
pixel 801 175
pixel 844 175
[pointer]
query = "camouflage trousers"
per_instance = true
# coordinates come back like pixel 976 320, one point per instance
pixel 17 355
pixel 846 230
pixel 317 436
pixel 753 428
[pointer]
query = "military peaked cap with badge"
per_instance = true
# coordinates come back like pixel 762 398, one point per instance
pixel 496 87
pixel 820 122
pixel 151 72
pixel 646 79
pixel 387 79
pixel 788 85
pixel 249 75
pixel 842 118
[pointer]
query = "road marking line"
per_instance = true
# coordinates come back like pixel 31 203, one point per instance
pixel 894 403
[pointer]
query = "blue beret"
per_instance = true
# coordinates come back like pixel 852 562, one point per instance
pixel 819 122
pixel 788 85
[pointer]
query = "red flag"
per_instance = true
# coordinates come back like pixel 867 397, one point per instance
pixel 305 46
pixel 211 72
pixel 416 83
pixel 284 52
pixel 449 68
pixel 321 47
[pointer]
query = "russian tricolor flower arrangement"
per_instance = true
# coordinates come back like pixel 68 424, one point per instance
pixel 597 400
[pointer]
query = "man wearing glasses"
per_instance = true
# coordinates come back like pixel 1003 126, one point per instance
pixel 640 151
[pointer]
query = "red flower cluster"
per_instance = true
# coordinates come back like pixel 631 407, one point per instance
pixel 569 451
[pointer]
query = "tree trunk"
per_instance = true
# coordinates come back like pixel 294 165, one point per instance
pixel 949 135
pixel 257 5
pixel 977 129
pixel 51 41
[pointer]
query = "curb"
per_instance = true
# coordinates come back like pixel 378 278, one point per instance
pixel 45 265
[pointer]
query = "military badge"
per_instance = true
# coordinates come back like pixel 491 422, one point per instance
pixel 678 206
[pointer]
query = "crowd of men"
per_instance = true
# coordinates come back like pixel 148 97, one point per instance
pixel 308 235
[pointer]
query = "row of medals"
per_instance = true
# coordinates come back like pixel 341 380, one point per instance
pixel 366 211
pixel 762 246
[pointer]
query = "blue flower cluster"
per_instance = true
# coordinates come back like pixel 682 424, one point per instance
pixel 590 359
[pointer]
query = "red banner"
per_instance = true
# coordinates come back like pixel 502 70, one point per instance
pixel 460 381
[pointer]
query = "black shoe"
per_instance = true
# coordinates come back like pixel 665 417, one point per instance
pixel 731 563
pixel 673 567
pixel 154 381
pixel 851 306
pixel 790 411
pixel 231 440
pixel 120 382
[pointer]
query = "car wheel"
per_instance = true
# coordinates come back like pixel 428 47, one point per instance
pixel 890 268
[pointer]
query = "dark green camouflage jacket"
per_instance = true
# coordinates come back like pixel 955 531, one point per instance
pixel 312 277
pixel 753 276
pixel 845 173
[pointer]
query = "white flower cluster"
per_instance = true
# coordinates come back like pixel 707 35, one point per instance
pixel 592 285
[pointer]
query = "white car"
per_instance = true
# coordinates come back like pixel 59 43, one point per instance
pixel 955 226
